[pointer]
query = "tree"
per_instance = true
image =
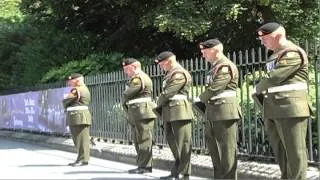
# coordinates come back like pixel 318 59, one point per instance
pixel 128 23
pixel 39 35
pixel 9 11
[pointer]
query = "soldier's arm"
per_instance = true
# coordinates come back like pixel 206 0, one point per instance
pixel 71 97
pixel 220 81
pixel 287 65
pixel 133 89
pixel 176 82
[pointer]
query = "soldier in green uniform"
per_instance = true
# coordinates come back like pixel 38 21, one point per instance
pixel 285 106
pixel 138 104
pixel 176 113
pixel 222 110
pixel 78 117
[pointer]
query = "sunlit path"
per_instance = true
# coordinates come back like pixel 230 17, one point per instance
pixel 26 161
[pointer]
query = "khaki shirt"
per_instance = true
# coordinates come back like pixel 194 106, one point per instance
pixel 177 81
pixel 137 100
pixel 290 66
pixel 222 79
pixel 78 96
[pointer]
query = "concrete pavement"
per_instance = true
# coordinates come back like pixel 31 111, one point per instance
pixel 29 161
pixel 201 164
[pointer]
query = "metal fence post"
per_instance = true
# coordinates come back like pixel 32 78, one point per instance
pixel 317 78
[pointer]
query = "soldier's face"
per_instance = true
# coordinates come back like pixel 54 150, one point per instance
pixel 72 83
pixel 129 70
pixel 165 65
pixel 269 41
pixel 209 54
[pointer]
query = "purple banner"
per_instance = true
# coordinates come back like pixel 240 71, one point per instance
pixel 35 111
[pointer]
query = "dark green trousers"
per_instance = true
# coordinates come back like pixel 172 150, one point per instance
pixel 288 141
pixel 178 135
pixel 142 137
pixel 81 140
pixel 221 138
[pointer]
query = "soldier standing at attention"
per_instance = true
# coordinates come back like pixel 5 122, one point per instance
pixel 79 117
pixel 285 106
pixel 222 110
pixel 138 104
pixel 176 113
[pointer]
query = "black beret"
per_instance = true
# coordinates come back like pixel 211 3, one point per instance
pixel 128 61
pixel 268 28
pixel 74 76
pixel 210 43
pixel 163 56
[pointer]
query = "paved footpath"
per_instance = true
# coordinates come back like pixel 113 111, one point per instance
pixel 27 161
pixel 201 164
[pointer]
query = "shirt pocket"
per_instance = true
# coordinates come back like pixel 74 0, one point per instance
pixel 74 117
pixel 222 109
pixel 290 104
pixel 140 111
pixel 180 110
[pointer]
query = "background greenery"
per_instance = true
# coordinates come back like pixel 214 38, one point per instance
pixel 44 40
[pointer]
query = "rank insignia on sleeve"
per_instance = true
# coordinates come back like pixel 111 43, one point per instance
pixel 283 62
pixel 135 81
pixel 291 54
pixel 225 69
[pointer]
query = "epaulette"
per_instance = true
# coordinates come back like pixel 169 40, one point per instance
pixel 296 49
pixel 226 67
pixel 141 79
pixel 186 74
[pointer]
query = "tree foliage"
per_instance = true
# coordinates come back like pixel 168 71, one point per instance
pixel 9 11
pixel 93 64
pixel 38 36
pixel 177 22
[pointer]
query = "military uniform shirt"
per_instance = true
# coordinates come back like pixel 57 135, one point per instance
pixel 139 86
pixel 287 68
pixel 223 76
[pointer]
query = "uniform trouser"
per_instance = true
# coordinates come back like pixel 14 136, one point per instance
pixel 81 140
pixel 288 141
pixel 142 137
pixel 178 135
pixel 221 137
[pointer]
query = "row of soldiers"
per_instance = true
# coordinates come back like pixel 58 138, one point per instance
pixel 282 94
